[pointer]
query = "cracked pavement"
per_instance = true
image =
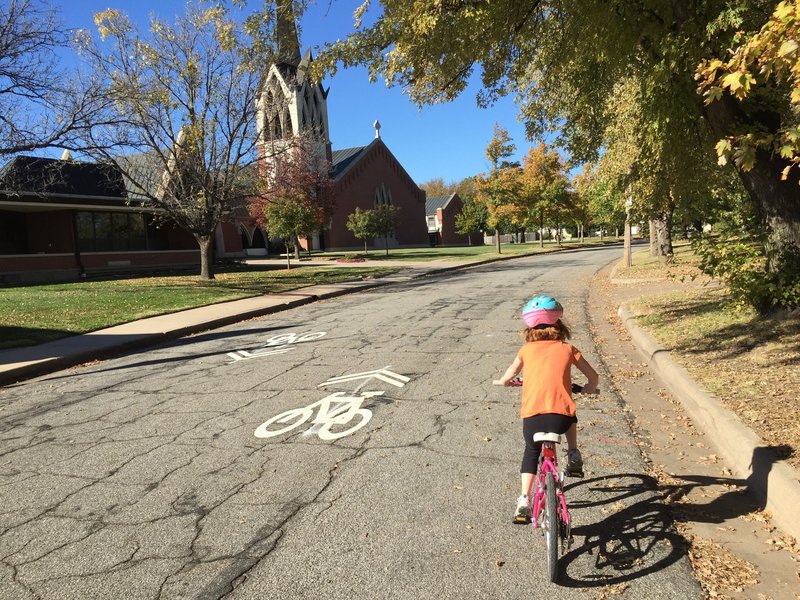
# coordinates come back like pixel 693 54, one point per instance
pixel 140 477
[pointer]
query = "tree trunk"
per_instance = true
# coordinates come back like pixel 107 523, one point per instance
pixel 206 256
pixel 497 240
pixel 296 244
pixel 366 252
pixel 776 200
pixel 386 243
pixel 541 228
pixel 653 240
pixel 663 226
pixel 288 257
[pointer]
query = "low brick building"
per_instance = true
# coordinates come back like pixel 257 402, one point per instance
pixel 61 219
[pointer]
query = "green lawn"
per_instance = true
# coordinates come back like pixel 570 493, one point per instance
pixel 40 313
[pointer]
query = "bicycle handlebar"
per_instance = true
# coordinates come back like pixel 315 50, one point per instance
pixel 516 382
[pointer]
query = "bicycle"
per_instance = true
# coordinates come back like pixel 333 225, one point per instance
pixel 549 510
pixel 548 504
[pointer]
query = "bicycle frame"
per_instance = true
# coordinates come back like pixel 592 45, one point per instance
pixel 548 463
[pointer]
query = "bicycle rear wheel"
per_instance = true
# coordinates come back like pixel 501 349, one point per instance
pixel 551 527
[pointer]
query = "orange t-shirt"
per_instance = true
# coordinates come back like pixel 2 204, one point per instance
pixel 546 381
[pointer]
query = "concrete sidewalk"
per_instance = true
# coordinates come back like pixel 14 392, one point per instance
pixel 17 364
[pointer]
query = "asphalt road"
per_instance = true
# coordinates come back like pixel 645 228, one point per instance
pixel 142 477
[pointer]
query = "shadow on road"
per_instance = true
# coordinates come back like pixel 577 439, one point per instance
pixel 637 537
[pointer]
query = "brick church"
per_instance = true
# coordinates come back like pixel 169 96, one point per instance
pixel 363 177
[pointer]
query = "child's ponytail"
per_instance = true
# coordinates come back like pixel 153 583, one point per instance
pixel 557 331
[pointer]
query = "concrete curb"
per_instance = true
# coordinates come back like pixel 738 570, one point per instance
pixel 775 484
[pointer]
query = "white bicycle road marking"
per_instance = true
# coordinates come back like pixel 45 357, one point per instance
pixel 335 410
pixel 278 344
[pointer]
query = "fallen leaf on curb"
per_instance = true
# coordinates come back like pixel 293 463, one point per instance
pixel 499 563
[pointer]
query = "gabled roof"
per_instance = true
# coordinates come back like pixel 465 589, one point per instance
pixel 144 174
pixel 434 202
pixel 343 159
pixel 50 176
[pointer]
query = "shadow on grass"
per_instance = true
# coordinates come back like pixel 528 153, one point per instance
pixel 733 340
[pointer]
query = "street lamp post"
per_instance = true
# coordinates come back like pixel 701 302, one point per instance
pixel 626 249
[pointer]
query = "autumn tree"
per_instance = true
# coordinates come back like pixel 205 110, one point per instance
pixel 605 206
pixel 763 74
pixel 544 189
pixel 295 199
pixel 288 219
pixel 41 104
pixel 473 217
pixel 436 187
pixel 496 190
pixel 386 219
pixel 182 125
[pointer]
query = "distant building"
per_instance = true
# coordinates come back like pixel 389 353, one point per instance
pixel 62 219
pixel 440 215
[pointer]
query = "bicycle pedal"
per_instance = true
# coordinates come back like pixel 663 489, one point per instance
pixel 521 520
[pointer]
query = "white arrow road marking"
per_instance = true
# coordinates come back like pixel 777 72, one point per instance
pixel 244 354
pixel 383 374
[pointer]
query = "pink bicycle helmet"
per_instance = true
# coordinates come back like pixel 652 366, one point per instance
pixel 542 310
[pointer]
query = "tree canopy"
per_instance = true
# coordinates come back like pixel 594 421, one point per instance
pixel 41 103
pixel 568 61
pixel 180 121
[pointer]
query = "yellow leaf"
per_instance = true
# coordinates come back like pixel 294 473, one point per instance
pixel 733 81
pixel 788 47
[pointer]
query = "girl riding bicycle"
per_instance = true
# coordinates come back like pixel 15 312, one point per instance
pixel 546 361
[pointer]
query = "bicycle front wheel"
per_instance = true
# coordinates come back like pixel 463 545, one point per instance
pixel 294 418
pixel 551 526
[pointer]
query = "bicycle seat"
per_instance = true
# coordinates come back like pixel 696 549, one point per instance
pixel 545 436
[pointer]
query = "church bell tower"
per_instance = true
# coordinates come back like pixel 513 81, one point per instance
pixel 290 104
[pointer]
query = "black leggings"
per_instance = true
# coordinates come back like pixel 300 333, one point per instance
pixel 549 422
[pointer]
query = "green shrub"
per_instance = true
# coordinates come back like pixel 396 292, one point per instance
pixel 738 254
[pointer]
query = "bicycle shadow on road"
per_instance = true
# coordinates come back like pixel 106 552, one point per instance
pixel 636 535
pixel 633 538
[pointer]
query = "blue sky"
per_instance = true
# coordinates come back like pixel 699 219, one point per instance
pixel 446 140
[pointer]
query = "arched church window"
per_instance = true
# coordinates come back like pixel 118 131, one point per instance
pixel 245 238
pixel 383 197
pixel 259 239
pixel 287 123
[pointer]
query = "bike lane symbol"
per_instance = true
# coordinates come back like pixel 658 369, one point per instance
pixel 278 344
pixel 335 411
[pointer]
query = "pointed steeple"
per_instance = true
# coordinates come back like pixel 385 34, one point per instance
pixel 286 33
